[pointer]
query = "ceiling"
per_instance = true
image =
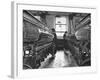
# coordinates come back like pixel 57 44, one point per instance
pixel 37 13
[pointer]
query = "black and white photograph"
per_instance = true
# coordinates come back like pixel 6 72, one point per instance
pixel 52 40
pixel 56 39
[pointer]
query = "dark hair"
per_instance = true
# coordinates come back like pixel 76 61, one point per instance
pixel 65 31
pixel 53 30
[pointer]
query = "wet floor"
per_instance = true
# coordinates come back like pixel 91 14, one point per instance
pixel 61 60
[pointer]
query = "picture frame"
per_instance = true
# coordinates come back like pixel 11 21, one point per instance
pixel 17 39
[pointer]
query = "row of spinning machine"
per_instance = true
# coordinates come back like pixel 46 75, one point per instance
pixel 79 43
pixel 36 45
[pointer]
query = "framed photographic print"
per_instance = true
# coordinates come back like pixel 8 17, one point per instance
pixel 52 40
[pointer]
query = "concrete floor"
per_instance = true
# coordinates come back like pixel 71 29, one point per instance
pixel 61 60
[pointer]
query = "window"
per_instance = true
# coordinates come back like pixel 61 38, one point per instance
pixel 60 26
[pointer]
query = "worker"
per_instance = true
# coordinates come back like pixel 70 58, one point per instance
pixel 65 40
pixel 54 48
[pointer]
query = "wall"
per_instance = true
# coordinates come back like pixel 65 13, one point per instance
pixel 5 39
pixel 67 22
pixel 50 19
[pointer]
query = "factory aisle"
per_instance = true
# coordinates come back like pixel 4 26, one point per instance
pixel 60 60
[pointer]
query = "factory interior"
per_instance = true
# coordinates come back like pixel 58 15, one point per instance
pixel 54 39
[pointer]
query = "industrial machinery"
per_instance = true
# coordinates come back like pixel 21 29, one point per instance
pixel 36 45
pixel 80 42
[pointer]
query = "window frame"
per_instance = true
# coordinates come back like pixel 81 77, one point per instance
pixel 60 24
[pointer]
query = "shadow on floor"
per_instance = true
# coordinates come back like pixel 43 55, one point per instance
pixel 61 59
pixel 47 63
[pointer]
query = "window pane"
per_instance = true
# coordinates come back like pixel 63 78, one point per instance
pixel 60 34
pixel 61 28
pixel 61 20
